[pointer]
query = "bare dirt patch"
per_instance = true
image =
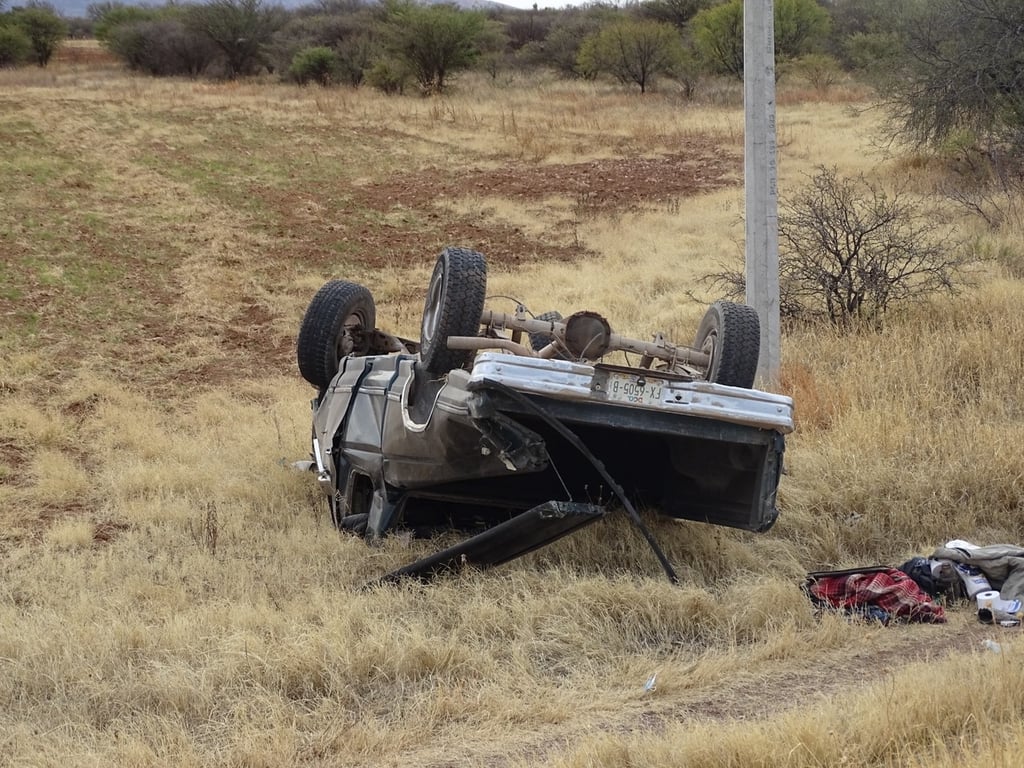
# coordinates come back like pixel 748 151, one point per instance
pixel 403 222
pixel 613 185
pixel 596 186
pixel 13 460
pixel 84 53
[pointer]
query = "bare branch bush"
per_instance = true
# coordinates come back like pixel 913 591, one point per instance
pixel 989 184
pixel 849 252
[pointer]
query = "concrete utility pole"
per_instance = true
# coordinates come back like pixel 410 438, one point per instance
pixel 760 178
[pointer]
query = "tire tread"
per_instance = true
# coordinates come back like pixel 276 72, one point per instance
pixel 739 345
pixel 462 306
pixel 316 349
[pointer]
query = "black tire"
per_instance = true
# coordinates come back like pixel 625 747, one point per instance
pixel 731 334
pixel 540 340
pixel 336 324
pixel 454 306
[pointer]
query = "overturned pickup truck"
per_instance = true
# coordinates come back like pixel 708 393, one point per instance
pixel 510 426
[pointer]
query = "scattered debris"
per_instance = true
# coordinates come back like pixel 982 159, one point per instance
pixel 652 684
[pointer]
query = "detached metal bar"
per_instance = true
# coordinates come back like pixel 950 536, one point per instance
pixel 506 541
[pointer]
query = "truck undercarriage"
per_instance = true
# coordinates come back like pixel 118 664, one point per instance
pixel 513 426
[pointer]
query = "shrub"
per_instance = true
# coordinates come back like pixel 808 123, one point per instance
pixel 960 68
pixel 313 31
pixel 356 54
pixel 801 26
pixel 433 41
pixel 821 71
pixel 872 53
pixel 107 17
pixel 849 252
pixel 560 49
pixel 352 35
pixel 241 29
pixel 988 184
pixel 633 51
pixel 15 47
pixel 389 76
pixel 128 43
pixel 161 48
pixel 318 65
pixel 44 29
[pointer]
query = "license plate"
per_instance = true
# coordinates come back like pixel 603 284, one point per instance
pixel 637 390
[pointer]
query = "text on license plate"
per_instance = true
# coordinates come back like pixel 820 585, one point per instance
pixel 634 389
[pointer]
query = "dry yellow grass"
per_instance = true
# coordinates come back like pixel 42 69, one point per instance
pixel 171 592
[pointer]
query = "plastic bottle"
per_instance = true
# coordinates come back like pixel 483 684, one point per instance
pixel 974 580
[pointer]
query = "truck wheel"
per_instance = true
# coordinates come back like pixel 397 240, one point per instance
pixel 454 306
pixel 336 324
pixel 540 340
pixel 731 334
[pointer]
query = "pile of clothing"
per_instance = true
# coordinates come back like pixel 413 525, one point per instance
pixel 992 577
pixel 880 593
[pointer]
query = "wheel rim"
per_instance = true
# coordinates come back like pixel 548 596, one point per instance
pixel 432 310
pixel 347 338
pixel 709 347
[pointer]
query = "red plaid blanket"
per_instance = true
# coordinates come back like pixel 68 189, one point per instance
pixel 887 589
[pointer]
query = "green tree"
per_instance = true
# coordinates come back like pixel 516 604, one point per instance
pixel 241 29
pixel 718 36
pixel 850 17
pixel 388 76
pixel 560 49
pixel 109 16
pixel 162 48
pixel 128 43
pixel 44 29
pixel 801 27
pixel 871 53
pixel 493 46
pixel 675 12
pixel 351 32
pixel 15 47
pixel 863 33
pixel 357 53
pixel 433 40
pixel 633 51
pixel 317 65
pixel 961 70
pixel 524 27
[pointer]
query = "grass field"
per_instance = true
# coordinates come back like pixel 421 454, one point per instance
pixel 172 592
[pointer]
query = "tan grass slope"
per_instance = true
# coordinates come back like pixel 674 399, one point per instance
pixel 171 592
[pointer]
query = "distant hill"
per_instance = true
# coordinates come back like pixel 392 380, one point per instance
pixel 73 9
